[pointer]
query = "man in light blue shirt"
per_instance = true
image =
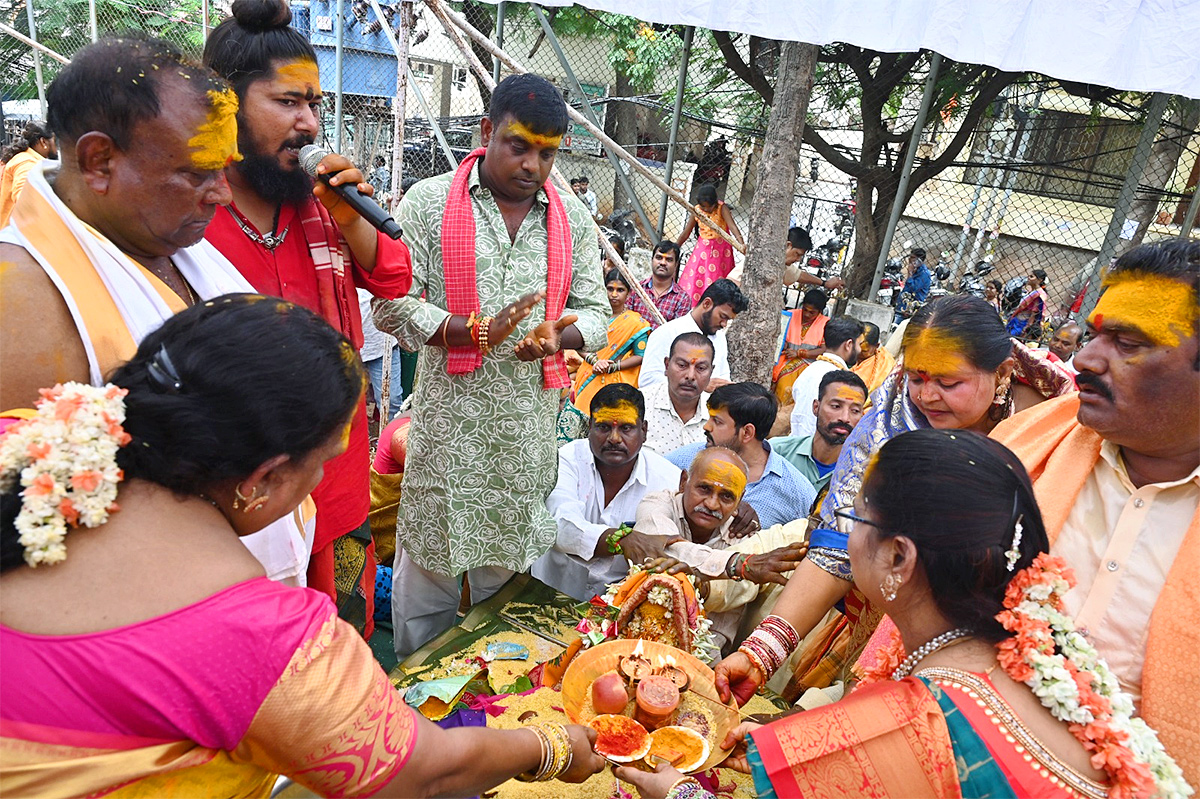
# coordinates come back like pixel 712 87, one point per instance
pixel 740 416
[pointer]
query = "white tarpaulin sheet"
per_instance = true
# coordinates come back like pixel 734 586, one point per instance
pixel 1141 45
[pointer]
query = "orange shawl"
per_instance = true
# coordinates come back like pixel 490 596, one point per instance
pixel 1060 453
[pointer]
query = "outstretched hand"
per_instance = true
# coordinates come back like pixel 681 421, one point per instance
pixel 773 566
pixel 544 340
pixel 511 315
pixel 737 677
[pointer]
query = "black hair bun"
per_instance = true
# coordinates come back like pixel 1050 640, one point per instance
pixel 262 15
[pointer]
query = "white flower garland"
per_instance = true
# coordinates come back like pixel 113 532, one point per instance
pixel 1057 644
pixel 65 461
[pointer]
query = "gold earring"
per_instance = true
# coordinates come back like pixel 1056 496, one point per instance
pixel 240 498
pixel 889 587
pixel 1002 392
pixel 256 504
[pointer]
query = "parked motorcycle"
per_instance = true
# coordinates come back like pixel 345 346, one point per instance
pixel 974 280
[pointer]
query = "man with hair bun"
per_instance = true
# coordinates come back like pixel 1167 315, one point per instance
pixel 505 278
pixel 107 244
pixel 295 238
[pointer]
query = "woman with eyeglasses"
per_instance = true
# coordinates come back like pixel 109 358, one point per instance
pixel 960 370
pixel 986 690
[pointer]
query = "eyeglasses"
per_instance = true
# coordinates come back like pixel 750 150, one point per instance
pixel 845 519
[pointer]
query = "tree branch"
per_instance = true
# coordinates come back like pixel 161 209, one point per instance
pixel 733 60
pixel 987 93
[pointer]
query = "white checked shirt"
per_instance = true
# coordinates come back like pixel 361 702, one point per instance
pixel 577 505
pixel 665 431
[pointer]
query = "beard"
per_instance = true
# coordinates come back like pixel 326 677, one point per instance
pixel 264 174
pixel 833 437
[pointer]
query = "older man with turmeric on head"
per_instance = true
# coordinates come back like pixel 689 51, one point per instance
pixel 1116 471
pixel 697 518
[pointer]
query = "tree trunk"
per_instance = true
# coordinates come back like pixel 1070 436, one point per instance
pixel 870 223
pixel 481 18
pixel 753 336
pixel 1160 166
pixel 622 118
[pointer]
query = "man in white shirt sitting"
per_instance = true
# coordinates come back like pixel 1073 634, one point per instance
pixel 677 409
pixel 698 516
pixel 601 481
pixel 841 352
pixel 719 305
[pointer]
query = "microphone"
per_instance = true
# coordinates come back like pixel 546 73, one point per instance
pixel 368 209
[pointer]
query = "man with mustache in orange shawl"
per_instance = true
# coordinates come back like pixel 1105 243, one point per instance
pixel 1116 471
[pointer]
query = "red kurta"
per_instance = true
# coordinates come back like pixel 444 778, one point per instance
pixel 343 496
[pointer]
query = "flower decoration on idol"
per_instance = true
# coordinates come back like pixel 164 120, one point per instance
pixel 64 460
pixel 656 607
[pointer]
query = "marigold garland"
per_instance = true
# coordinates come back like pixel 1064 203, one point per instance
pixel 64 459
pixel 1072 681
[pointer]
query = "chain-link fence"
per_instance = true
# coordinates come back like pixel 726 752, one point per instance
pixel 1011 172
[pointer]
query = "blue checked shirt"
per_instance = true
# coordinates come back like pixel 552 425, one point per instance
pixel 780 496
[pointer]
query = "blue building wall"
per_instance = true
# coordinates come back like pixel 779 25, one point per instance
pixel 368 61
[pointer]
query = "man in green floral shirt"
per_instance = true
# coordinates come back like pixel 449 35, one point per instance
pixel 489 245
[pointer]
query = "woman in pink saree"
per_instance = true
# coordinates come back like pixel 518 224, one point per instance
pixel 147 654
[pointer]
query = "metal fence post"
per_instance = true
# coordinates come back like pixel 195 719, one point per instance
pixel 501 10
pixel 1112 238
pixel 688 34
pixel 898 205
pixel 37 57
pixel 1189 218
pixel 338 55
pixel 425 109
pixel 92 20
pixel 586 107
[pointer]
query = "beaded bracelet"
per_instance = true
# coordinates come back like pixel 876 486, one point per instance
pixel 484 328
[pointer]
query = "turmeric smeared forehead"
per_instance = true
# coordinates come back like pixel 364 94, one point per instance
pixel 1160 307
pixel 719 469
pixel 934 352
pixel 301 71
pixel 538 141
pixel 623 412
pixel 215 144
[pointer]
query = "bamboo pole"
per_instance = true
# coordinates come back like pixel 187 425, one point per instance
pixel 444 13
pixel 563 184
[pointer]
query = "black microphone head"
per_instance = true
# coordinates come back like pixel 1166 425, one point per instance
pixel 310 157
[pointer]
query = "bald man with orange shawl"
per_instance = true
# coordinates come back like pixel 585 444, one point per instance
pixel 1116 471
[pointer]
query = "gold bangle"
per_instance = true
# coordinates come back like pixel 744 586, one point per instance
pixel 445 331
pixel 544 744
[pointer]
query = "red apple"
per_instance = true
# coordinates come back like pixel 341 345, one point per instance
pixel 609 694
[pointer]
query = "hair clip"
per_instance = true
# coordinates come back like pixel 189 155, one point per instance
pixel 1014 554
pixel 163 373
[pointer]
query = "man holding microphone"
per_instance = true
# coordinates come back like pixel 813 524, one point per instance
pixel 294 238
